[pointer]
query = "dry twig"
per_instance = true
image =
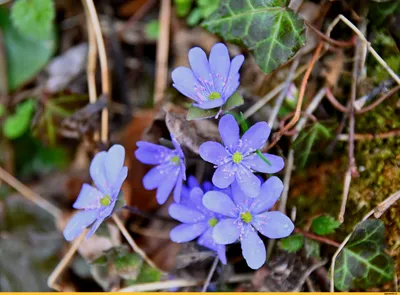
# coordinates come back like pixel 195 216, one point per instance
pixel 210 274
pixel 162 52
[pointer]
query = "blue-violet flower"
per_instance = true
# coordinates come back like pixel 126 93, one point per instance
pixel 169 172
pixel 237 159
pixel 197 221
pixel 108 174
pixel 245 216
pixel 210 82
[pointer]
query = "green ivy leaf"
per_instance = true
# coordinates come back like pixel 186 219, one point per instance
pixel 293 243
pixel 148 274
pixel 363 262
pixel 25 56
pixel 33 18
pixel 324 225
pixel 16 124
pixel 268 28
pixel 196 113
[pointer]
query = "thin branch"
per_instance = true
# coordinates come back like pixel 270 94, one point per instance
pixel 270 95
pixel 385 135
pixel 51 281
pixel 314 237
pixel 370 48
pixel 210 274
pixel 161 78
pixel 180 283
pixel 334 101
pixel 379 100
pixel 132 243
pixel 29 194
pixel 284 91
pixel 137 16
pixel 307 273
pixel 331 41
pixel 105 79
pixel 296 116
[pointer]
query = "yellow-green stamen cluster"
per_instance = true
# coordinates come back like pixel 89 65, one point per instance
pixel 214 95
pixel 246 217
pixel 212 222
pixel 237 157
pixel 105 201
pixel 175 160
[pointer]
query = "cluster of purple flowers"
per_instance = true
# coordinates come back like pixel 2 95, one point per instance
pixel 234 207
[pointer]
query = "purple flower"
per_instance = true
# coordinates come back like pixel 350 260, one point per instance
pixel 197 221
pixel 108 174
pixel 191 184
pixel 210 82
pixel 238 159
pixel 245 216
pixel 169 172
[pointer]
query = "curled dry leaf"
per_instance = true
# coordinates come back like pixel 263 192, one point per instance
pixel 189 133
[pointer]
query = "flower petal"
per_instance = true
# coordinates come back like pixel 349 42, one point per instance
pixel 185 81
pixel 224 175
pixel 98 173
pixel 187 232
pixel 185 214
pixel 230 88
pixel 269 194
pixel 226 231
pixel 88 198
pixel 213 152
pixel 192 182
pixel 239 197
pixel 248 182
pixel 253 249
pixel 274 225
pixel 229 130
pixel 219 203
pixel 210 104
pixel 94 227
pixel 255 162
pixel 219 63
pixel 156 175
pixel 116 187
pixel 177 146
pixel 199 64
pixel 178 188
pixel 236 63
pixel 196 198
pixel 114 162
pixel 166 186
pixel 78 223
pixel 206 240
pixel 254 138
pixel 150 153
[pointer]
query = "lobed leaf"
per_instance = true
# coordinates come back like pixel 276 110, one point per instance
pixel 269 29
pixel 324 225
pixel 293 243
pixel 363 262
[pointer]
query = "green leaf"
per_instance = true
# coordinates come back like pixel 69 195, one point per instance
pixel 207 7
pixel 306 140
pixel 25 56
pixel 16 124
pixel 196 113
pixel 2 110
pixel 194 17
pixel 324 225
pixel 33 18
pixel 152 29
pixel 312 248
pixel 148 274
pixel 293 243
pixel 182 7
pixel 267 28
pixel 128 265
pixel 363 262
